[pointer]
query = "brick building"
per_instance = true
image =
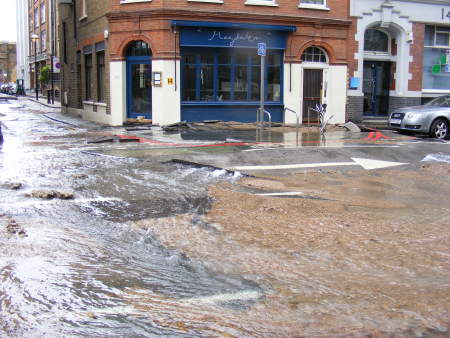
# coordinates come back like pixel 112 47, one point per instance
pixel 402 53
pixel 197 59
pixel 42 19
pixel 8 70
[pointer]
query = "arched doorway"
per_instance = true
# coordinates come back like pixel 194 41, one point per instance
pixel 139 84
pixel 314 61
pixel 377 71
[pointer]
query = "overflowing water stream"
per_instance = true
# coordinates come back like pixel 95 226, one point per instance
pixel 81 269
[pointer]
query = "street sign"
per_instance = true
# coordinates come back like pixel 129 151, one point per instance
pixel 262 49
pixel 56 65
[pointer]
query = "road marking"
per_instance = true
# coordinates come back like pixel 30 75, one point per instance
pixel 289 193
pixel 224 297
pixel 367 164
pixel 290 147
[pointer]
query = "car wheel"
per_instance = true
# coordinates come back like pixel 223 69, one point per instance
pixel 439 129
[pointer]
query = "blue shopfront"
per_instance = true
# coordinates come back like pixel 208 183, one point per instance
pixel 220 70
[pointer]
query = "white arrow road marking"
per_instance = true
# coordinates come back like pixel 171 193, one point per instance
pixel 367 164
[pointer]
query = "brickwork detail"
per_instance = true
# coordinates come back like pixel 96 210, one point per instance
pixel 355 107
pixel 396 102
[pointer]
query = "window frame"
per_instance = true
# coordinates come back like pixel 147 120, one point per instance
pixel 249 65
pixel 389 43
pixel 43 40
pixel 100 56
pixel 269 3
pixel 42 16
pixel 322 6
pixel 88 66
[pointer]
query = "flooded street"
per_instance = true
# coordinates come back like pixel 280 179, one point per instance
pixel 133 244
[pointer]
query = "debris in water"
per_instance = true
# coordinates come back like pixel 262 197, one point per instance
pixel 79 176
pixel 12 185
pixel 50 194
pixel 14 228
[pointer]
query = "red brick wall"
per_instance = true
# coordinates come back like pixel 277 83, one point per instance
pixel 151 23
pixel 416 66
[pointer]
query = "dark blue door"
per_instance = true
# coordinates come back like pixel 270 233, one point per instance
pixel 139 87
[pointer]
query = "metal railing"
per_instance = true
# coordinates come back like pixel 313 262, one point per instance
pixel 297 125
pixel 260 123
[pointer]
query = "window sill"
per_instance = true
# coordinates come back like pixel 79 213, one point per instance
pixel 208 1
pixel 84 17
pixel 92 103
pixel 133 1
pixel 317 7
pixel 261 3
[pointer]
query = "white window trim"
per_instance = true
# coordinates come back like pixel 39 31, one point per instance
pixel 133 1
pixel 269 3
pixel 208 1
pixel 314 6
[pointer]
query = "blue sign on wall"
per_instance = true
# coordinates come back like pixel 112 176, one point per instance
pixel 231 38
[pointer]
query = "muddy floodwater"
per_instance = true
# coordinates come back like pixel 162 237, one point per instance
pixel 100 245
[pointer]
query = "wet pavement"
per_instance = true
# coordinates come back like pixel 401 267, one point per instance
pixel 150 245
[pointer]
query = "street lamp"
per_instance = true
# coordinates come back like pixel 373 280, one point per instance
pixel 35 38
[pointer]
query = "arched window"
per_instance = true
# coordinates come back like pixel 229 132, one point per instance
pixel 314 54
pixel 138 48
pixel 376 41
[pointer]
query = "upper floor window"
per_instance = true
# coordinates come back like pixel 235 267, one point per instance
pixel 376 40
pixel 43 40
pixel 314 4
pixel 437 36
pixel 261 2
pixel 314 54
pixel 42 10
pixel 36 17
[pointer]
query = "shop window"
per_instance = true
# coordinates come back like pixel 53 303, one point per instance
pixel 214 75
pixel 88 76
pixel 376 40
pixel 436 61
pixel 314 54
pixel 101 76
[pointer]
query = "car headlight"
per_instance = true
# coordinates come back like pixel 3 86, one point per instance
pixel 414 115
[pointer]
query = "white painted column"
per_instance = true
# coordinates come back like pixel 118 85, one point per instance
pixel 292 91
pixel 166 101
pixel 118 95
pixel 336 82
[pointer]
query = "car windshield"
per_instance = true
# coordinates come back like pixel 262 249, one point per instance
pixel 442 101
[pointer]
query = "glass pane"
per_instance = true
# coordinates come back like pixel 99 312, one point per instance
pixel 206 83
pixel 256 80
pixel 240 83
pixel 273 84
pixel 376 41
pixel 189 58
pixel 224 83
pixel 256 60
pixel 189 83
pixel 429 35
pixel 442 39
pixel 224 59
pixel 138 48
pixel 274 59
pixel 207 59
pixel 141 88
pixel 434 75
pixel 241 59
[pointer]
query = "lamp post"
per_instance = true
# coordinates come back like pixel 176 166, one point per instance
pixel 35 38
